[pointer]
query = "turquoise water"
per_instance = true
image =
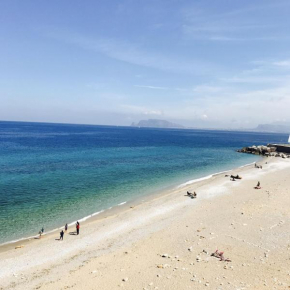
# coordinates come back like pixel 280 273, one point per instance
pixel 52 174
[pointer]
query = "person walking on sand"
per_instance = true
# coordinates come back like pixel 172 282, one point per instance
pixel 61 235
pixel 78 227
pixel 65 227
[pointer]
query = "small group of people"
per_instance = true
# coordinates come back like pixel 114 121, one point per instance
pixel 233 177
pixel 65 229
pixel 258 166
pixel 191 195
pixel 61 234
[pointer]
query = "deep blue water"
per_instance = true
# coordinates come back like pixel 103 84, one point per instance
pixel 51 174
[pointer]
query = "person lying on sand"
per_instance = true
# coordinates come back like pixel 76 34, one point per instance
pixel 220 255
pixel 192 195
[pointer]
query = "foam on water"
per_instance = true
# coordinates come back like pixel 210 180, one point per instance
pixel 194 181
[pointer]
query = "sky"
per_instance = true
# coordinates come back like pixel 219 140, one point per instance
pixel 205 64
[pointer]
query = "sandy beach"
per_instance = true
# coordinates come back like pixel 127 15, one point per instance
pixel 166 242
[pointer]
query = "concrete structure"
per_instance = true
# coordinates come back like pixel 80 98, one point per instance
pixel 283 148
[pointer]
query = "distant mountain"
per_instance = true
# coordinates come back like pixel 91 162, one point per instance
pixel 274 127
pixel 155 123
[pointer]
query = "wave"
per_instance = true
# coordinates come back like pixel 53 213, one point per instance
pixel 247 164
pixel 194 181
pixel 210 176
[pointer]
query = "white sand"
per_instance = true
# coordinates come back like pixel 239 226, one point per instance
pixel 251 226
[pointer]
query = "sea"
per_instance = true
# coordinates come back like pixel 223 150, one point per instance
pixel 53 174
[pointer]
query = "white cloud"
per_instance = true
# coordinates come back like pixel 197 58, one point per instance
pixel 151 87
pixel 240 24
pixel 204 89
pixel 141 110
pixel 157 113
pixel 134 53
pixel 284 63
pixel 256 79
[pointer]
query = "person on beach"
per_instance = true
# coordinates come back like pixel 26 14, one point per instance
pixel 78 227
pixel 192 195
pixel 40 233
pixel 258 185
pixel 65 227
pixel 235 177
pixel 61 235
pixel 42 230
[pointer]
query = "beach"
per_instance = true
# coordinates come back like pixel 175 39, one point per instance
pixel 166 241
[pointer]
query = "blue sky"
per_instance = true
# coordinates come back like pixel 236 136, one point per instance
pixel 218 64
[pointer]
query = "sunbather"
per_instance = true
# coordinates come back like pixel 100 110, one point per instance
pixel 220 255
pixel 193 195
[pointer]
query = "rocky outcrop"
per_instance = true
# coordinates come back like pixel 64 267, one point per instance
pixel 268 150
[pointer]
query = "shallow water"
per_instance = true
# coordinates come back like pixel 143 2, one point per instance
pixel 52 174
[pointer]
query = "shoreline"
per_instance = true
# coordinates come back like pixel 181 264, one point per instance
pixel 113 210
pixel 123 206
pixel 248 224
